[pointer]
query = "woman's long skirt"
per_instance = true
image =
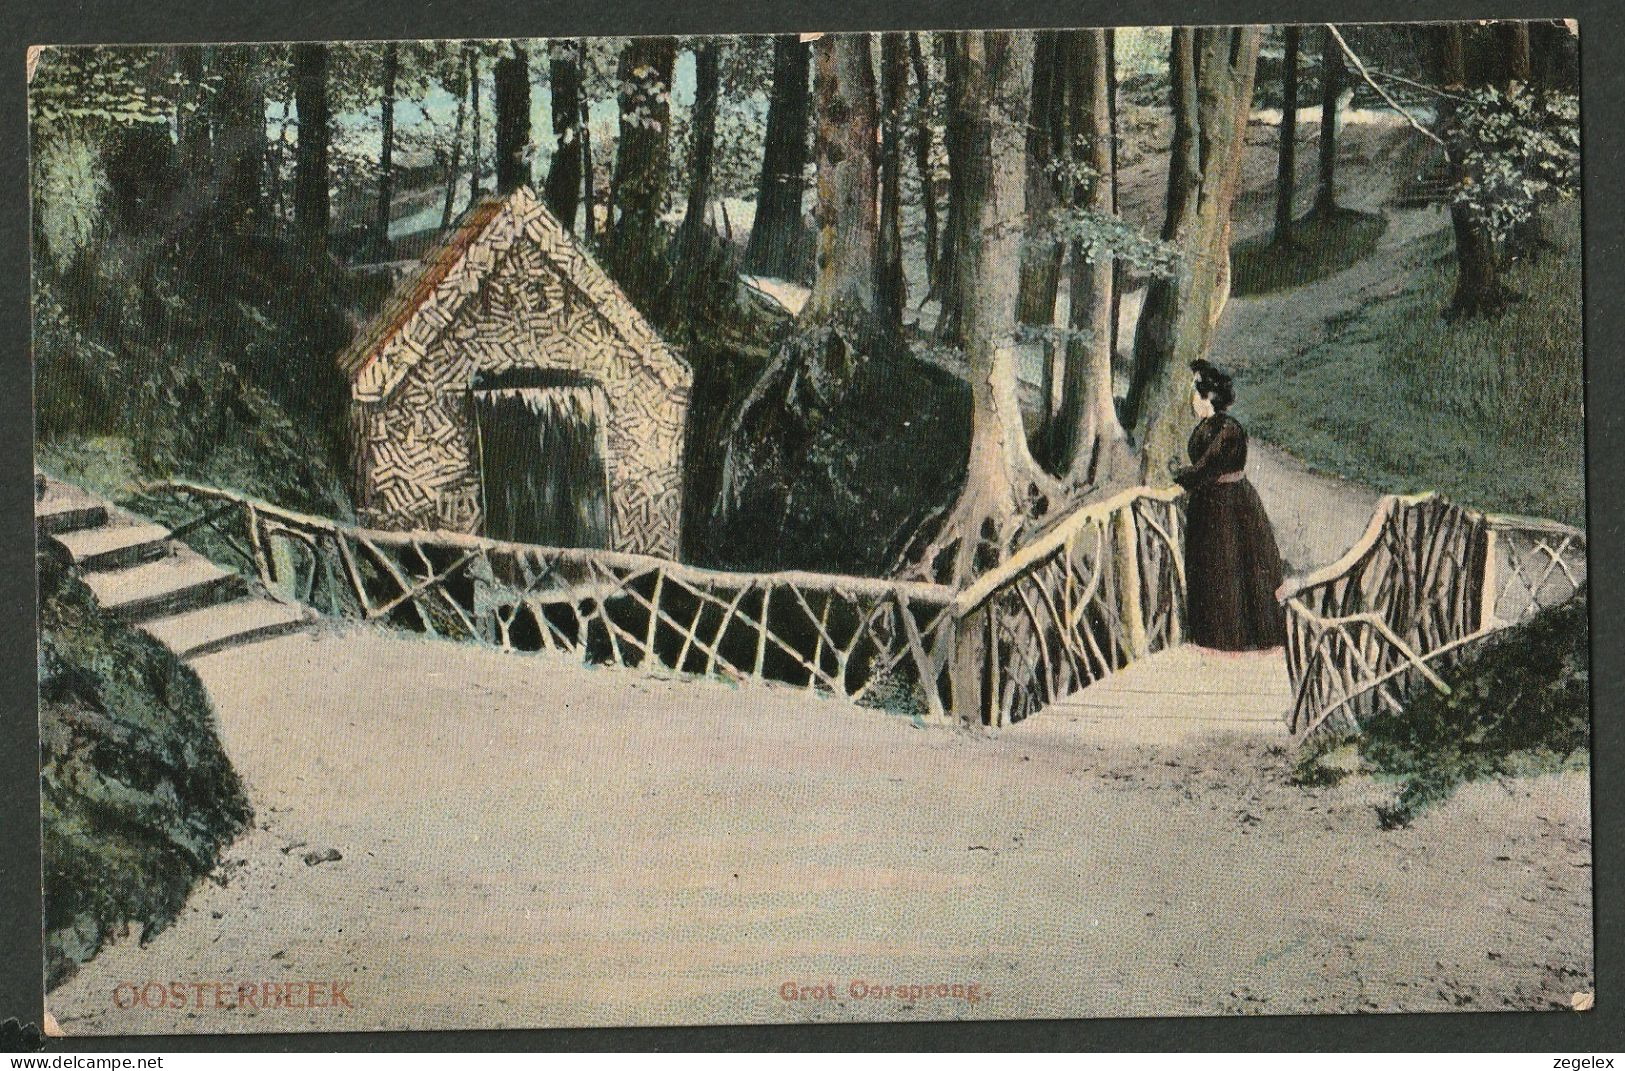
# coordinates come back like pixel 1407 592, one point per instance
pixel 1232 571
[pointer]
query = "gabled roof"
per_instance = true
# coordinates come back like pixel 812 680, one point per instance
pixel 453 271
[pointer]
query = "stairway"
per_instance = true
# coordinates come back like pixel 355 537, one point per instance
pixel 1432 184
pixel 138 572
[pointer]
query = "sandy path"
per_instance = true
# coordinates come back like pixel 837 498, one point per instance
pixel 529 842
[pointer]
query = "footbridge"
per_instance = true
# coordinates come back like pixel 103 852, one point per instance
pixel 1084 623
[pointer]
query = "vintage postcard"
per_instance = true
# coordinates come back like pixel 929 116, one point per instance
pixel 833 526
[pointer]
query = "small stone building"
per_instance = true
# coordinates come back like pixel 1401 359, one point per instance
pixel 511 390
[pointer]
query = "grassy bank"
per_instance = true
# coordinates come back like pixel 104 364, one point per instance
pixel 1320 246
pixel 1489 411
pixel 137 796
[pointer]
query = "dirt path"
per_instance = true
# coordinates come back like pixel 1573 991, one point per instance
pixel 529 842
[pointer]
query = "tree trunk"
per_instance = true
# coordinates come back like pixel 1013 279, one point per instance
pixel 454 160
pixel 191 118
pixel 1004 488
pixel 1512 37
pixel 690 256
pixel 642 162
pixel 1554 56
pixel 961 107
pixel 890 286
pixel 512 85
pixel 474 156
pixel 563 191
pixel 767 463
pixel 1091 447
pixel 239 143
pixel 848 217
pixel 776 237
pixel 703 135
pixel 386 150
pixel 1211 72
pixel 1046 139
pixel 1331 84
pixel 587 194
pixel 310 200
pixel 922 153
pixel 1286 175
pixel 1111 104
pixel 1479 289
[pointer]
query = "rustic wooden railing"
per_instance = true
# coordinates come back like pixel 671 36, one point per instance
pixel 1425 582
pixel 851 636
pixel 1101 589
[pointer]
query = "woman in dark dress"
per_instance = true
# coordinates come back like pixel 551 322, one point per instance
pixel 1232 564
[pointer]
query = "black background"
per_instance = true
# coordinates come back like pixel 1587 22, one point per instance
pixel 154 21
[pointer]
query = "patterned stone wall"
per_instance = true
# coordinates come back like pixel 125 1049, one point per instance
pixel 519 294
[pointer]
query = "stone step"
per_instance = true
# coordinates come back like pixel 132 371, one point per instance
pixel 114 546
pixel 194 633
pixel 180 580
pixel 64 508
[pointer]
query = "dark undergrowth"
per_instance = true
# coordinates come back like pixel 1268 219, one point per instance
pixel 1519 704
pixel 865 474
pixel 170 343
pixel 138 799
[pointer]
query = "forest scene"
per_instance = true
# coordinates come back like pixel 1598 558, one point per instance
pixel 970 507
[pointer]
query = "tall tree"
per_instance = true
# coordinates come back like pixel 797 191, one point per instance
pixel 1286 174
pixel 1211 74
pixel 512 135
pixel 475 155
pixel 1091 447
pixel 191 118
pixel 1041 258
pixel 1512 37
pixel 848 194
pixel 776 235
pixel 310 202
pixel 890 285
pixel 588 199
pixel 839 332
pixel 642 160
pixel 1479 289
pixel 1111 107
pixel 1004 487
pixel 958 123
pixel 922 152
pixel 239 142
pixel 1554 56
pixel 1331 85
pixel 386 149
pixel 457 84
pixel 564 174
pixel 702 148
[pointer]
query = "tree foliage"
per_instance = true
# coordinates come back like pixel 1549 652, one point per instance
pixel 1520 149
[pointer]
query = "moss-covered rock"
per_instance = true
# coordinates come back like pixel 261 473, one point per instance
pixel 138 798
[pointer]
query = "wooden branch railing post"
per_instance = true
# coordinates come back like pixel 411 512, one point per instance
pixel 1091 594
pixel 1421 586
pixel 1126 559
pixel 968 668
